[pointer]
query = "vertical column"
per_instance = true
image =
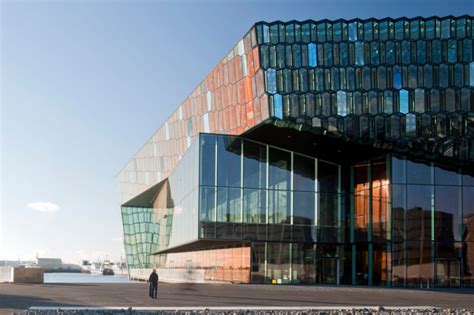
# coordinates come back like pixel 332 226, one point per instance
pixel 433 274
pixel 369 229
pixel 290 271
pixel 215 184
pixel 242 181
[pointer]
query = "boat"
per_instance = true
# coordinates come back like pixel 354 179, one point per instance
pixel 106 268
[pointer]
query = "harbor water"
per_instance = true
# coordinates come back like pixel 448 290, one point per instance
pixel 57 277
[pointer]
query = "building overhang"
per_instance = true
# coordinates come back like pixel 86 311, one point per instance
pixel 198 245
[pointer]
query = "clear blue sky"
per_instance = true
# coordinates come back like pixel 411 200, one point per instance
pixel 85 83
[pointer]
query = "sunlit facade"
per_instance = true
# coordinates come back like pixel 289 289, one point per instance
pixel 318 152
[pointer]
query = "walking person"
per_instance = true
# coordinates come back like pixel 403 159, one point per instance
pixel 153 279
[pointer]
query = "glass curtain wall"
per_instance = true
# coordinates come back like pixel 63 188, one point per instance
pixel 432 225
pixel 370 227
pixel 282 201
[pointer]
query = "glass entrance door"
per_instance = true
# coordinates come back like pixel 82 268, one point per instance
pixel 327 270
pixel 448 273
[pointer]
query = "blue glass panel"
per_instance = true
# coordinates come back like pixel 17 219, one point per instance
pixel 374 53
pixel 399 30
pixel 266 34
pixel 471 74
pixel 312 55
pixel 290 33
pixel 388 102
pixel 421 52
pixel 271 80
pixel 397 78
pixel 390 52
pixel 344 52
pixel 436 45
pixel 296 56
pixel 467 50
pixel 446 28
pixel 410 126
pixel 337 32
pixel 419 100
pixel 383 30
pixel 461 28
pixel 328 54
pixel 341 103
pixel 359 53
pixel 443 75
pixel 403 101
pixel 452 51
pixel 368 35
pixel 406 52
pixel 353 31
pixel 274 33
pixel 430 29
pixel 277 106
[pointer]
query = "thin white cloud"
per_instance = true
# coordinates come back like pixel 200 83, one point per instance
pixel 42 206
pixel 117 239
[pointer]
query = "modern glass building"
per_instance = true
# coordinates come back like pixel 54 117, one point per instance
pixel 325 152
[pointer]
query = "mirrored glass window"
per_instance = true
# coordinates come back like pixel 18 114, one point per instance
pixel 404 105
pixel 397 77
pixel 280 169
pixel 312 55
pixel 255 157
pixel 228 161
pixel 419 100
pixel 359 53
pixel 207 160
pixel 278 106
pixel 353 31
pixel 341 103
pixel 271 81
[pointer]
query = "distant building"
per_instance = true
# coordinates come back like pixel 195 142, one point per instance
pixel 332 152
pixel 49 263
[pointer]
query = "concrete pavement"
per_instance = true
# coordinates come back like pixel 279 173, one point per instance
pixel 17 297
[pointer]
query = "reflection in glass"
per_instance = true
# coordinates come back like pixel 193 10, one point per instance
pixel 312 55
pixel 278 106
pixel 279 169
pixel 228 161
pixel 228 205
pixel 271 80
pixel 447 213
pixel 397 77
pixel 341 103
pixel 418 173
pixel 419 212
pixel 353 31
pixel 359 53
pixel 207 160
pixel 254 206
pixel 207 204
pixel 404 101
pixel 279 206
pixel 255 157
pixel 303 207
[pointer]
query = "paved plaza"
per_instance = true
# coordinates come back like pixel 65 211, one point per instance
pixel 16 297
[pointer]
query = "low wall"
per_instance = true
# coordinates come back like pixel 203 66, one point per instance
pixel 6 274
pixel 169 275
pixel 21 275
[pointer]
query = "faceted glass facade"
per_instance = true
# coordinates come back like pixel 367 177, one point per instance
pixel 403 84
pixel 319 152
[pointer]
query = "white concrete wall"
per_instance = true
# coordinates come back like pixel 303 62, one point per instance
pixel 21 275
pixel 6 274
pixel 169 275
